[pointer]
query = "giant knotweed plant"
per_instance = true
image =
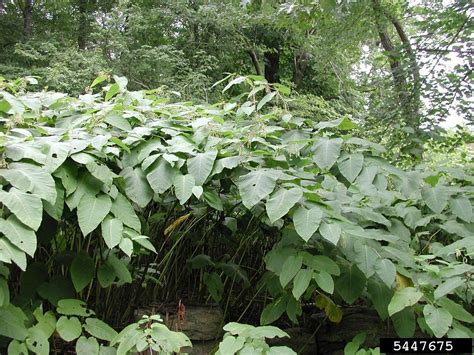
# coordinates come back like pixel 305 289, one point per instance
pixel 344 224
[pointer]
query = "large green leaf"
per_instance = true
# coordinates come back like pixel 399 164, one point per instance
pixel 69 328
pixel 326 152
pixel 200 166
pixel 106 275
pixel 403 298
pixel 301 282
pixel 120 268
pixel 4 292
pixel 307 221
pixel 409 184
pixel 59 287
pixel 404 323
pixel 290 268
pixel 117 120
pixel 28 208
pixel 231 345
pixel 386 270
pixel 161 176
pixel 46 321
pixel 126 245
pixel 254 332
pixel 136 186
pixel 462 208
pixel 12 322
pixel 85 159
pixel 398 229
pixel 82 271
pixel 99 329
pixel 281 201
pixel 380 295
pixel 456 310
pixel 351 165
pixel 183 187
pixel 325 281
pixel 293 309
pixel 113 90
pixel 436 198
pixel 37 341
pixel 124 211
pixel 42 181
pixel 144 242
pixel 225 163
pixel 273 311
pixel 26 150
pixel 460 331
pixel 9 253
pixel 56 210
pixel 366 258
pixel 320 263
pixel 459 229
pixel 112 229
pixel 369 214
pixel 448 286
pixel 275 258
pixel 101 172
pixel 18 234
pixel 145 150
pixel 268 97
pixel 128 341
pixel 238 329
pixel 91 211
pixel 438 319
pixel 87 346
pixel 73 307
pixel 56 155
pixel 17 348
pixel 256 185
pixel 180 144
pixel 87 185
pixel 17 178
pixel 68 171
pixel 331 232
pixel 15 105
pixel 351 284
pixel 212 199
pixel 214 285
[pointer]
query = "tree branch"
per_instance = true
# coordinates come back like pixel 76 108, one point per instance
pixel 255 62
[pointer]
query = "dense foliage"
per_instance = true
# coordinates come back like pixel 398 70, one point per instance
pixel 124 193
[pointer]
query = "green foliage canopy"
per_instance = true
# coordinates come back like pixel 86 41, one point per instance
pixel 344 223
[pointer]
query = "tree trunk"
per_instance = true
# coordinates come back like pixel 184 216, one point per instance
pixel 406 77
pixel 83 25
pixel 412 101
pixel 392 53
pixel 255 62
pixel 27 19
pixel 414 68
pixel 299 65
pixel 195 24
pixel 272 66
